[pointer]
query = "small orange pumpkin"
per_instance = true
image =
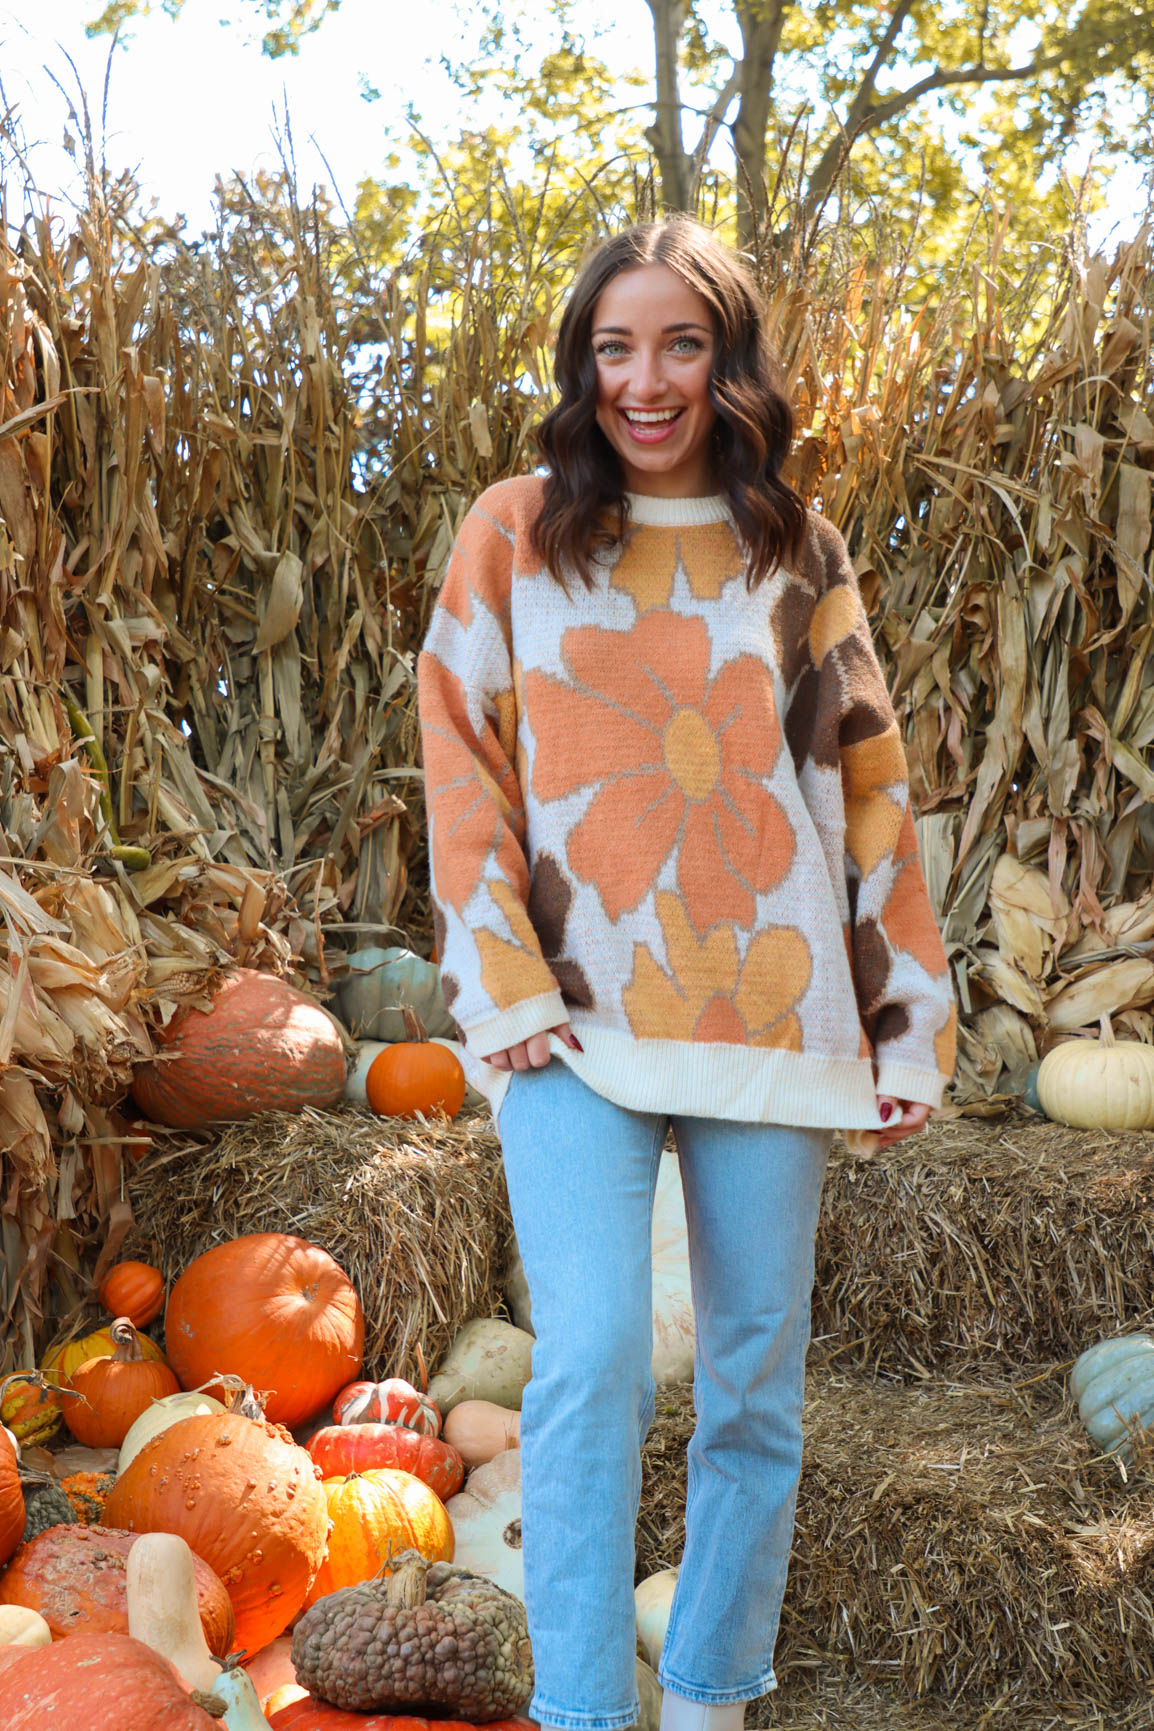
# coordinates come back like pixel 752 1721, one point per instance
pixel 110 1393
pixel 60 1362
pixel 414 1076
pixel 12 1513
pixel 372 1513
pixel 134 1290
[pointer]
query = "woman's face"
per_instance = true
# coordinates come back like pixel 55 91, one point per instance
pixel 654 344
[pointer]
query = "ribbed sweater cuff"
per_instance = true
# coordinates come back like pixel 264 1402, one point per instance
pixel 907 1082
pixel 531 1016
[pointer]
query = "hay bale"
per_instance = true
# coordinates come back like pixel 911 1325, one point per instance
pixel 983 1244
pixel 951 1540
pixel 416 1214
pixel 831 1700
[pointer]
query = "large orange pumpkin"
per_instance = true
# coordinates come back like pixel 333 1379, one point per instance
pixel 12 1514
pixel 273 1309
pixel 97 1683
pixel 262 1047
pixel 109 1394
pixel 373 1514
pixel 134 1290
pixel 244 1497
pixel 74 1576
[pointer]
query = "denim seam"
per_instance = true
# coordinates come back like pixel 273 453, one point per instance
pixel 717 1697
pixel 566 1721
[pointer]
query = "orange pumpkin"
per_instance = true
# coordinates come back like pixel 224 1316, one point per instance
pixel 111 1393
pixel 88 1493
pixel 134 1290
pixel 356 1448
pixel 74 1576
pixel 275 1310
pixel 12 1513
pixel 307 1713
pixel 97 1683
pixel 372 1514
pixel 261 1047
pixel 414 1076
pixel 61 1362
pixel 30 1407
pixel 244 1497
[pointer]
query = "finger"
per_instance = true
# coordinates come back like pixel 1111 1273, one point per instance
pixel 567 1037
pixel 537 1050
pixel 518 1056
pixel 499 1060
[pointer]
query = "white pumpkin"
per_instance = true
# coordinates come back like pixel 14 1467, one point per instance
pixel 21 1626
pixel 488 1360
pixel 355 1085
pixel 653 1601
pixel 168 1410
pixel 674 1334
pixel 370 997
pixel 1113 1383
pixel 1096 1085
pixel 486 1521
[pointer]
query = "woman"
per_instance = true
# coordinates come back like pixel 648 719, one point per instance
pixel 677 886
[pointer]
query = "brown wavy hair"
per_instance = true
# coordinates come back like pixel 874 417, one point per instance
pixel 585 486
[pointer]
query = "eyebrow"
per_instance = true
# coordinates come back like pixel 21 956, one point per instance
pixel 666 330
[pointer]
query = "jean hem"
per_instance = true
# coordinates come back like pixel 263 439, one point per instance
pixel 717 1697
pixel 584 1721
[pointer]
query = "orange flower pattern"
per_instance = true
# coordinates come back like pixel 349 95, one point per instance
pixel 650 558
pixel 678 762
pixel 706 993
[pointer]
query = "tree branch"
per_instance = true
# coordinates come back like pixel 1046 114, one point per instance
pixel 865 118
pixel 714 118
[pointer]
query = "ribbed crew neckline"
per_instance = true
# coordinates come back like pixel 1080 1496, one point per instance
pixel 677 513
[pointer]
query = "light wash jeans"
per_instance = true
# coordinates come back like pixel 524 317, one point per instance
pixel 581 1174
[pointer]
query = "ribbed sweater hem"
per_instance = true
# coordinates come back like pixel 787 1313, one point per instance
pixel 746 1084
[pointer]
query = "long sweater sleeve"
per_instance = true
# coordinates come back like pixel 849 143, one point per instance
pixel 841 716
pixel 496 983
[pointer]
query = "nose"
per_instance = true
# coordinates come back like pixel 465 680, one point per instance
pixel 648 382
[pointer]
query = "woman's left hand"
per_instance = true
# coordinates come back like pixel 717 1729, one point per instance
pixel 905 1118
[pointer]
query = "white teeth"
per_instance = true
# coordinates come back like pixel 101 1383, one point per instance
pixel 647 417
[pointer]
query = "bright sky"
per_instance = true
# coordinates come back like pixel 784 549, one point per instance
pixel 193 98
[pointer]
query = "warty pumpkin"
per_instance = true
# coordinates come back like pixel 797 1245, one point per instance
pixel 429 1636
pixel 110 1393
pixel 134 1290
pixel 394 1401
pixel 97 1683
pixel 30 1407
pixel 87 1493
pixel 340 1449
pixel 374 1516
pixel 275 1310
pixel 244 1497
pixel 75 1577
pixel 263 1046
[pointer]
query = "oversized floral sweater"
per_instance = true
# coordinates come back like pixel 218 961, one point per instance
pixel 673 812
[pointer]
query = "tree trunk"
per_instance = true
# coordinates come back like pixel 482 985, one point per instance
pixel 665 135
pixel 760 22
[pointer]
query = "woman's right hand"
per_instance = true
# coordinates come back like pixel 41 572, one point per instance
pixel 533 1053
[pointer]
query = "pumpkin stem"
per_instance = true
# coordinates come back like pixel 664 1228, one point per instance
pixel 127 1341
pixel 405 1587
pixel 414 1027
pixel 245 1399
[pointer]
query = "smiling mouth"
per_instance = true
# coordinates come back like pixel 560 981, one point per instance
pixel 651 417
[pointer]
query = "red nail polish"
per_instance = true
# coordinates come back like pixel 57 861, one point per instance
pixel 885 1113
pixel 574 1043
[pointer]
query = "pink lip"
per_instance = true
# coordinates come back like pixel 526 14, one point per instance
pixel 654 432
